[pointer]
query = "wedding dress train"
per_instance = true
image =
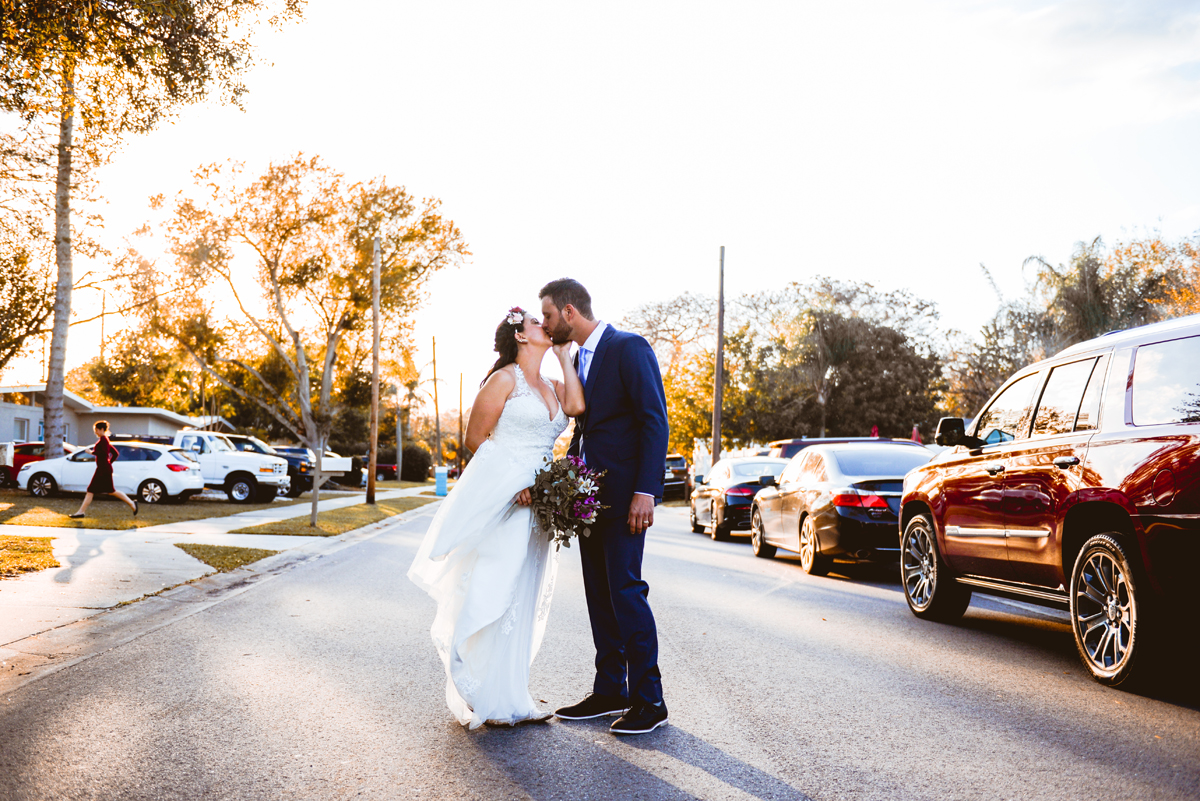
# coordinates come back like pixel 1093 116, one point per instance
pixel 490 569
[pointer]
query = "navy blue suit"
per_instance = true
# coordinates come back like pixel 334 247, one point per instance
pixel 622 431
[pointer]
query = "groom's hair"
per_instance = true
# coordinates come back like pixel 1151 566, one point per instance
pixel 568 292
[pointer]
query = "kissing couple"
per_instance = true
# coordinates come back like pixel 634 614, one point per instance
pixel 488 565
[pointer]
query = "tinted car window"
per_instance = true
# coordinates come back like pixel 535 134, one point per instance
pixel 1008 416
pixel 1166 383
pixel 1061 398
pixel 1089 410
pixel 872 462
pixel 791 473
pixel 814 468
pixel 677 464
pixel 128 454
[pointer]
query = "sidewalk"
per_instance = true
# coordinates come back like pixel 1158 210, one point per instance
pixel 101 569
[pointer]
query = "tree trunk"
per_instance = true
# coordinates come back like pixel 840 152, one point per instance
pixel 399 434
pixel 56 369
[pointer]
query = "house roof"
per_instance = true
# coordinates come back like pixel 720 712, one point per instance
pixel 79 404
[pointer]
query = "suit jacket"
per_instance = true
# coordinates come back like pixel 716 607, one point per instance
pixel 624 428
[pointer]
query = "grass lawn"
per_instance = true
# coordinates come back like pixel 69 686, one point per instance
pixel 223 557
pixel 25 555
pixel 19 508
pixel 338 521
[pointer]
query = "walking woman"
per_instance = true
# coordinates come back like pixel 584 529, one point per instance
pixel 102 480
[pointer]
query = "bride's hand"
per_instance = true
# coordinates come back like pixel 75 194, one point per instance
pixel 523 498
pixel 562 350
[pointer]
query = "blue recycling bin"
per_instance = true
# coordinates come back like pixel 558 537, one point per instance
pixel 441 476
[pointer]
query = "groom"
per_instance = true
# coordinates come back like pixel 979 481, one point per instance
pixel 623 431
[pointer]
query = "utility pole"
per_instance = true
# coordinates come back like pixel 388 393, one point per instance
pixel 373 460
pixel 437 414
pixel 719 373
pixel 459 451
pixel 399 432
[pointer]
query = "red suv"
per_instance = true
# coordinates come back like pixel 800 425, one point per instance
pixel 1077 486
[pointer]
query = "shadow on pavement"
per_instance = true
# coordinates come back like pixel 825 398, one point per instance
pixel 582 760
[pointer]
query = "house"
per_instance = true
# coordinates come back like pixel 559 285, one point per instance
pixel 21 417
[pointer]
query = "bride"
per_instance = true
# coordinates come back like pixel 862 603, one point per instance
pixel 484 562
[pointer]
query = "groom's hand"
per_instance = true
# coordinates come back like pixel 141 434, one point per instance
pixel 523 498
pixel 641 514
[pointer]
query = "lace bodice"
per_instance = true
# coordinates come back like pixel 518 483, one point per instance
pixel 525 428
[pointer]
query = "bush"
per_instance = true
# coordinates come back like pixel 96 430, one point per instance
pixel 416 463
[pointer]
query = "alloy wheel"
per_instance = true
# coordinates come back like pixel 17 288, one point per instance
pixel 41 486
pixel 152 492
pixel 919 568
pixel 240 491
pixel 808 546
pixel 1105 613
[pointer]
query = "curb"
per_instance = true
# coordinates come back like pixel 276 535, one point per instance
pixel 25 661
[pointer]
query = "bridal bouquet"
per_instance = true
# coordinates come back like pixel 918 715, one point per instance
pixel 564 499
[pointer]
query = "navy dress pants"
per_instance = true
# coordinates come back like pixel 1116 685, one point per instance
pixel 622 624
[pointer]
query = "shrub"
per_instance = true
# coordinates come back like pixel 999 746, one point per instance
pixel 415 466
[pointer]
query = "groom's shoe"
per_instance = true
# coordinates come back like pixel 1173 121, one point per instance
pixel 641 719
pixel 594 705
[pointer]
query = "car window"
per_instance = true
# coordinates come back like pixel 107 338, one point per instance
pixel 1008 416
pixel 128 454
pixel 791 473
pixel 756 469
pixel 220 444
pixel 1061 398
pixel 880 462
pixel 188 443
pixel 814 468
pixel 677 464
pixel 1166 383
pixel 1089 410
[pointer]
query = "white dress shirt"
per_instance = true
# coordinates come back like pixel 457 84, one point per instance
pixel 586 351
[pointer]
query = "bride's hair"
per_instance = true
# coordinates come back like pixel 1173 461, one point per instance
pixel 506 340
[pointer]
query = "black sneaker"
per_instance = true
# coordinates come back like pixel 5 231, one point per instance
pixel 641 719
pixel 594 706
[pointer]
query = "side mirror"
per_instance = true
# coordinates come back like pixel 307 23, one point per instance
pixel 950 431
pixel 767 481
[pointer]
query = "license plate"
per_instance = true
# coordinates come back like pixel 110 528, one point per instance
pixel 669 475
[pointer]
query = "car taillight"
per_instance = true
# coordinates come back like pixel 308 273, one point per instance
pixel 177 468
pixel 859 500
pixel 742 491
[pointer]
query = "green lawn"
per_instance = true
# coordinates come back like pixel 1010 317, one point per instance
pixel 223 557
pixel 19 508
pixel 25 555
pixel 338 521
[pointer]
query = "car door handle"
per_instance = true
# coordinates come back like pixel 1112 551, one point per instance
pixel 1065 462
pixel 994 469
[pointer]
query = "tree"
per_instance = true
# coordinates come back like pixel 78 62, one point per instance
pixel 99 70
pixel 25 306
pixel 309 235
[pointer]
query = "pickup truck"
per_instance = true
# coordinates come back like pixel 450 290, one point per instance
pixel 245 477
pixel 301 463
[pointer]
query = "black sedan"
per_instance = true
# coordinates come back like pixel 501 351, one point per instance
pixel 835 501
pixel 721 504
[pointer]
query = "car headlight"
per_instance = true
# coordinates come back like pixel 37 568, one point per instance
pixel 26 466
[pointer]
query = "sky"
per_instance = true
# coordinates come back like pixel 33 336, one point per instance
pixel 623 143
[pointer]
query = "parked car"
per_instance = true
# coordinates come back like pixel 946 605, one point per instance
pixel 23 454
pixel 675 479
pixel 245 477
pixel 787 448
pixel 152 473
pixel 835 501
pixel 300 467
pixel 721 504
pixel 1077 486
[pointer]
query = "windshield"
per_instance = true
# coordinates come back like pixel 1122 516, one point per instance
pixel 676 463
pixel 222 444
pixel 256 444
pixel 885 462
pixel 756 469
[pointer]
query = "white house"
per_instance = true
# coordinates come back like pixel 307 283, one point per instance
pixel 21 417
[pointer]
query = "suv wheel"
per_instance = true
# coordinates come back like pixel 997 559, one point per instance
pixel 811 562
pixel 152 491
pixel 757 540
pixel 42 486
pixel 1107 614
pixel 931 592
pixel 241 489
pixel 696 527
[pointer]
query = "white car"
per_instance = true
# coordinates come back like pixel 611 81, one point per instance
pixel 151 473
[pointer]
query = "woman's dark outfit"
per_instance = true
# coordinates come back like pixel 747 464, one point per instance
pixel 102 482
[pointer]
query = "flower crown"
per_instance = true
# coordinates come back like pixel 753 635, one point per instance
pixel 516 316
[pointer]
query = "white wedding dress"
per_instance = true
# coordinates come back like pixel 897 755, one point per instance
pixel 490 569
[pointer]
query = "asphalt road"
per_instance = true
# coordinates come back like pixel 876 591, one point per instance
pixel 321 683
